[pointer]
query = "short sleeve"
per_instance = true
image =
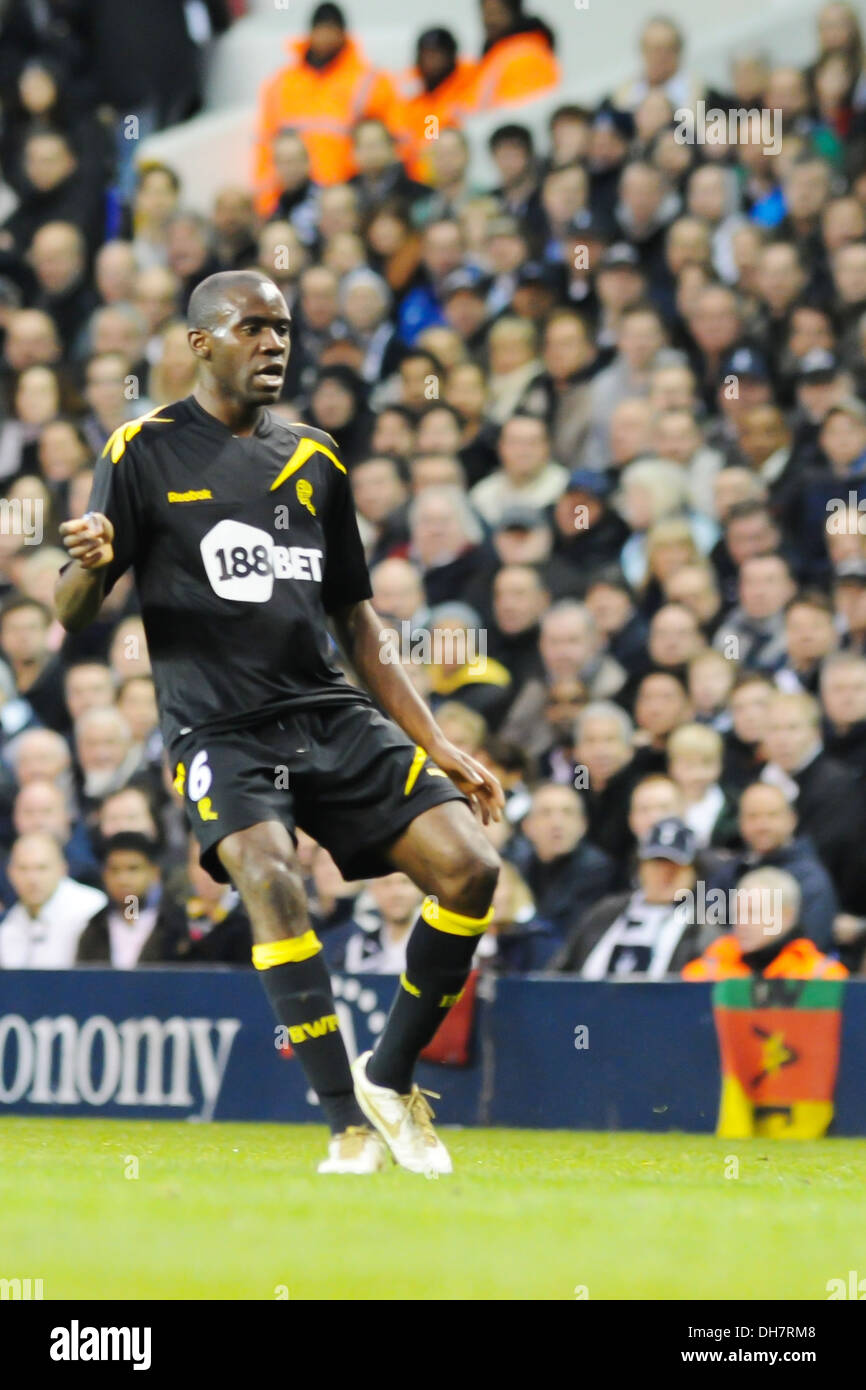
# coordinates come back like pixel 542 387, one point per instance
pixel 114 494
pixel 346 578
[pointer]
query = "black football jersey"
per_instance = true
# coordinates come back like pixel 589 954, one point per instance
pixel 240 546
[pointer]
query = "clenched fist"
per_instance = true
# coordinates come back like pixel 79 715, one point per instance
pixel 89 540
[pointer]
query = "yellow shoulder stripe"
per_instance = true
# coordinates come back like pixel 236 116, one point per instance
pixel 117 442
pixel 304 451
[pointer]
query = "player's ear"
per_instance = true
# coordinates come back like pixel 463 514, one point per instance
pixel 200 341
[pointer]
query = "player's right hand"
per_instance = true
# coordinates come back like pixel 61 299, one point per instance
pixel 89 540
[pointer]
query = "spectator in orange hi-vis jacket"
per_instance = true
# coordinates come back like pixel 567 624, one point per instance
pixel 518 59
pixel 322 94
pixel 766 939
pixel 433 95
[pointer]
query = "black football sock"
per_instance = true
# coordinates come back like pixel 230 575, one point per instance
pixel 438 961
pixel 299 988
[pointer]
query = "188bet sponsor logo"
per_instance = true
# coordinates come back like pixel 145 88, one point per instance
pixel 242 562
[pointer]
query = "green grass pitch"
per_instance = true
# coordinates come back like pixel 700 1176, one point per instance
pixel 237 1211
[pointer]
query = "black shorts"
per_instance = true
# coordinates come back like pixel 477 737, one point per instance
pixel 344 773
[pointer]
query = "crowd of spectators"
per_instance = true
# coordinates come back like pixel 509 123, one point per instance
pixel 606 433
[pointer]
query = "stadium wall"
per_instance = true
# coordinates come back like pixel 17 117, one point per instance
pixel 202 1045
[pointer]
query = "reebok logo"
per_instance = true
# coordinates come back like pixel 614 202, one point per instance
pixel 300 1032
pixel 204 494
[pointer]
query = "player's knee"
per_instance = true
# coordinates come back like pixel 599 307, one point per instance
pixel 269 884
pixel 473 879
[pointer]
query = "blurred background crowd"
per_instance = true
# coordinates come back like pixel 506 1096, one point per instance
pixel 605 427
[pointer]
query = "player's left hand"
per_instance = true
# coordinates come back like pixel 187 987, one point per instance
pixel 472 778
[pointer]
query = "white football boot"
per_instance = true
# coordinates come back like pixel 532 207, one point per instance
pixel 356 1150
pixel 404 1122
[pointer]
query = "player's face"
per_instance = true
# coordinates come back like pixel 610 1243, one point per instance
pixel 249 350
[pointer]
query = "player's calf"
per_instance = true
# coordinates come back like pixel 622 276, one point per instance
pixel 449 855
pixel 288 955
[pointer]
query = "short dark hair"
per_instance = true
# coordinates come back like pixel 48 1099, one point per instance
pixel 750 506
pixel 570 112
pixel 208 298
pixel 129 842
pixel 328 13
pixel 512 135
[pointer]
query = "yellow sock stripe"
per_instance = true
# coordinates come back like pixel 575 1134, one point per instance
pixel 409 987
pixel 415 770
pixel 293 948
pixel 304 451
pixel 453 922
pixel 449 1000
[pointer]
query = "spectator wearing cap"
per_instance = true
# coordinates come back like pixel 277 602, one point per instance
pixel 565 873
pixel 42 928
pixel 523 538
pixel 649 933
pixel 461 669
pixel 537 291
pixel 527 475
pixel 572 653
pixel 819 384
pixel 588 533
pixel 620 285
pixel 580 251
pixel 613 131
pixel 843 701
pixel 774 949
pixel 825 794
pixel 641 339
pixel 464 305
pixel 849 602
